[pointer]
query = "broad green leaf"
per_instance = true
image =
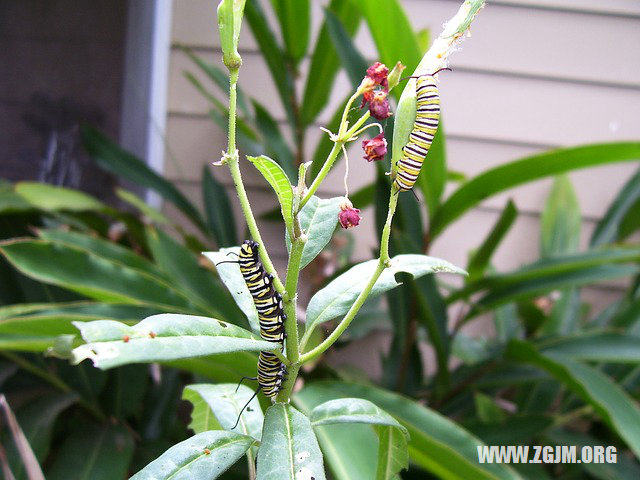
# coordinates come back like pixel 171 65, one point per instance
pixel 325 62
pixel 160 338
pixel 608 228
pixel 318 219
pixel 480 259
pixel 148 211
pixel 103 248
pixel 93 452
pixel 274 174
pixel 610 401
pixel 560 220
pixel 273 140
pixel 596 347
pixel 352 61
pixel 119 162
pixel 12 202
pixel 224 367
pixel 289 449
pixel 197 283
pixel 393 437
pixel 437 444
pixel 630 223
pixel 392 32
pixel 393 455
pixel 295 25
pixel 272 54
pixel 350 453
pixel 501 178
pixel 217 407
pixel 204 456
pixel 226 264
pixel 551 273
pixel 338 296
pixel 52 198
pixel 88 274
pixel 217 208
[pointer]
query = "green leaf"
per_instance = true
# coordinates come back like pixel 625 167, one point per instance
pixel 234 281
pixel 51 198
pixel 197 283
pixel 216 407
pixel 393 437
pixel 596 347
pixel 392 32
pixel 480 259
pixel 11 202
pixel 120 162
pixel 434 177
pixel 204 456
pixel 630 223
pixel 352 61
pixel 295 24
pixel 272 54
pixel 92 452
pixel 338 296
pixel 318 219
pixel 274 174
pixel 487 410
pixel 610 401
pixel 289 449
pixel 609 227
pixel 103 248
pixel 560 220
pixel 217 208
pixel 88 274
pixel 151 213
pixel 274 141
pixel 526 170
pixel 437 444
pixel 325 62
pixel 224 367
pixel 229 23
pixel 162 337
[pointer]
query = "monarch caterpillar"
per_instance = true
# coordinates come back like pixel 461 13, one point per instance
pixel 268 302
pixel 424 129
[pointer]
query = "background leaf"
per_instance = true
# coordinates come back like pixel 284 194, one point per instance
pixel 274 174
pixel 217 206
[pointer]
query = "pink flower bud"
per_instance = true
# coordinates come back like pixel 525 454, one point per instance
pixel 375 149
pixel 379 105
pixel 348 216
pixel 378 73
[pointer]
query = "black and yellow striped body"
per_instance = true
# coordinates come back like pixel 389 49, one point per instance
pixel 424 129
pixel 271 373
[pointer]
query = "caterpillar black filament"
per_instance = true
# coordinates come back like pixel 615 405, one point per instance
pixel 424 129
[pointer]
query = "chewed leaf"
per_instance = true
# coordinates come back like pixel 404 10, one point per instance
pixel 233 280
pixel 160 338
pixel 277 178
pixel 337 297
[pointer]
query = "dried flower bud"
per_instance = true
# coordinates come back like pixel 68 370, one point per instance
pixel 375 149
pixel 394 76
pixel 348 216
pixel 379 105
pixel 378 73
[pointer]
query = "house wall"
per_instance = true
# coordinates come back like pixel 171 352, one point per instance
pixel 535 74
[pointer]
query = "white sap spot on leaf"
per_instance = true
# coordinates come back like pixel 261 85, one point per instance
pixel 302 456
pixel 304 474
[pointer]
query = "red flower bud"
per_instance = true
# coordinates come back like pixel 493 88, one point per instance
pixel 379 105
pixel 348 216
pixel 375 149
pixel 378 73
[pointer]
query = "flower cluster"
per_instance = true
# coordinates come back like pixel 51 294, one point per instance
pixel 374 96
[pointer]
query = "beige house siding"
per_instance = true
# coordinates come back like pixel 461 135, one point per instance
pixel 535 74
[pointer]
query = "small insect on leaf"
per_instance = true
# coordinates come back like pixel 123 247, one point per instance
pixel 153 334
pixel 207 451
pixel 126 339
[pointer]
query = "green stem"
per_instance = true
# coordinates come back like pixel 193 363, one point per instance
pixel 383 262
pixel 337 146
pixel 231 158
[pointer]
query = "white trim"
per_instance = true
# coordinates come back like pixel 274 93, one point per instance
pixel 144 97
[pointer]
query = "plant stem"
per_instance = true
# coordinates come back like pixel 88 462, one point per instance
pixel 383 262
pixel 232 160
pixel 337 146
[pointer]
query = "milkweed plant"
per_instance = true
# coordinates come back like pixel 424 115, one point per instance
pixel 229 422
